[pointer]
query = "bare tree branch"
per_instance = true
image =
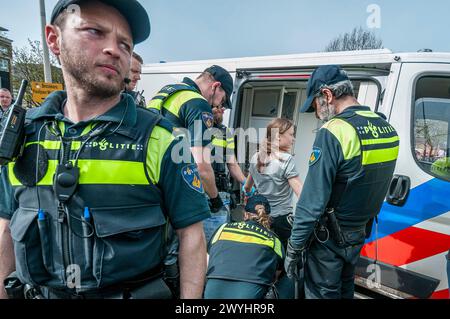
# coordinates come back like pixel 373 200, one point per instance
pixel 357 39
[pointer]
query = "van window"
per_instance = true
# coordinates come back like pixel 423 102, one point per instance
pixel 266 102
pixel 289 104
pixel 432 125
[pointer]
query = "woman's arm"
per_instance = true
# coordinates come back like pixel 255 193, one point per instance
pixel 296 184
pixel 249 183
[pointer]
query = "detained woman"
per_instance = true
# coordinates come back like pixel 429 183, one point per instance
pixel 273 173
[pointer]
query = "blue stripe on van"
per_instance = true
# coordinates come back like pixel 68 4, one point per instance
pixel 425 201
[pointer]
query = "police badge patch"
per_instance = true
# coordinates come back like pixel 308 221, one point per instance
pixel 315 155
pixel 208 119
pixel 192 178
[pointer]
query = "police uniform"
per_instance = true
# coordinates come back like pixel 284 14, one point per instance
pixel 243 259
pixel 223 147
pixel 112 224
pixel 350 169
pixel 3 112
pixel 185 107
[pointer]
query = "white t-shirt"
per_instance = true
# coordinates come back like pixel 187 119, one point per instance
pixel 273 182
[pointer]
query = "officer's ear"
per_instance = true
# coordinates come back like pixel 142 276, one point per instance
pixel 328 94
pixel 53 36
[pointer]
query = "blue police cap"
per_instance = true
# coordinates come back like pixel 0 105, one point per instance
pixel 223 76
pixel 132 11
pixel 322 76
pixel 255 200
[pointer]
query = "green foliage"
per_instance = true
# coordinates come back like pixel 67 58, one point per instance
pixel 28 64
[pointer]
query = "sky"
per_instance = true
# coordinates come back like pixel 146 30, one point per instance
pixel 210 29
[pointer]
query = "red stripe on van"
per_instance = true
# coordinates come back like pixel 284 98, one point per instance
pixel 441 294
pixel 407 246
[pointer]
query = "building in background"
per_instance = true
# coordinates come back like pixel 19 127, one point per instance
pixel 5 60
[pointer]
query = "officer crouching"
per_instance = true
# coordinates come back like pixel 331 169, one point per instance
pixel 350 169
pixel 96 186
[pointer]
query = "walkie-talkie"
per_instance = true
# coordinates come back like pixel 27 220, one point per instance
pixel 12 129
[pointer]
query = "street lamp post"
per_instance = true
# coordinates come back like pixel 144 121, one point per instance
pixel 47 67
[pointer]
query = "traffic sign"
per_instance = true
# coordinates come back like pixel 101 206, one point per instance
pixel 42 89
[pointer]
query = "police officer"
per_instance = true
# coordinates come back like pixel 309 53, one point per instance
pixel 188 105
pixel 133 78
pixel 244 256
pixel 5 101
pixel 350 170
pixel 224 164
pixel 96 185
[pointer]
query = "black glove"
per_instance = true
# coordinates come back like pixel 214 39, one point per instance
pixel 293 261
pixel 215 204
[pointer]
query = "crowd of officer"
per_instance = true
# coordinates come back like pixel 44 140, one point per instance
pixel 96 193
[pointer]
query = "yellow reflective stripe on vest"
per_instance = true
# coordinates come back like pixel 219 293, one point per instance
pixel 217 235
pixel 97 172
pixel 158 144
pixel 376 141
pixel 219 142
pixel 55 145
pixel 155 104
pixel 246 232
pixel 379 156
pixel 112 172
pixel 242 238
pixel 278 250
pixel 47 180
pixel 230 143
pixel 367 114
pixel 176 101
pixel 346 135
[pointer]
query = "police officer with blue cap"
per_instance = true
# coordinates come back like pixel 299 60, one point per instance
pixel 350 169
pixel 96 186
pixel 189 105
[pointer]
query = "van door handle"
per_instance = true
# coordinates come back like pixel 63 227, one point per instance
pixel 399 190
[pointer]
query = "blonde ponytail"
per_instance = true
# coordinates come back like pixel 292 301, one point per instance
pixel 261 216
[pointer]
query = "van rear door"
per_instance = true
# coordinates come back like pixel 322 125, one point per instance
pixel 261 95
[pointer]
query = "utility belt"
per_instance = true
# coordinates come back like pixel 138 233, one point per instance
pixel 328 228
pixel 222 182
pixel 150 285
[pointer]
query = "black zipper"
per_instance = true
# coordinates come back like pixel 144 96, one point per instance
pixel 64 235
pixel 62 217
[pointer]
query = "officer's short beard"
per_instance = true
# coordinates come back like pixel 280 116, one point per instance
pixel 326 111
pixel 83 72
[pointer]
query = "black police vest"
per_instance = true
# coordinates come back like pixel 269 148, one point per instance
pixel 157 102
pixel 359 198
pixel 244 251
pixel 123 234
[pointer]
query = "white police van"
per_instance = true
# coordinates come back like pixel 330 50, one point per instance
pixel 405 257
